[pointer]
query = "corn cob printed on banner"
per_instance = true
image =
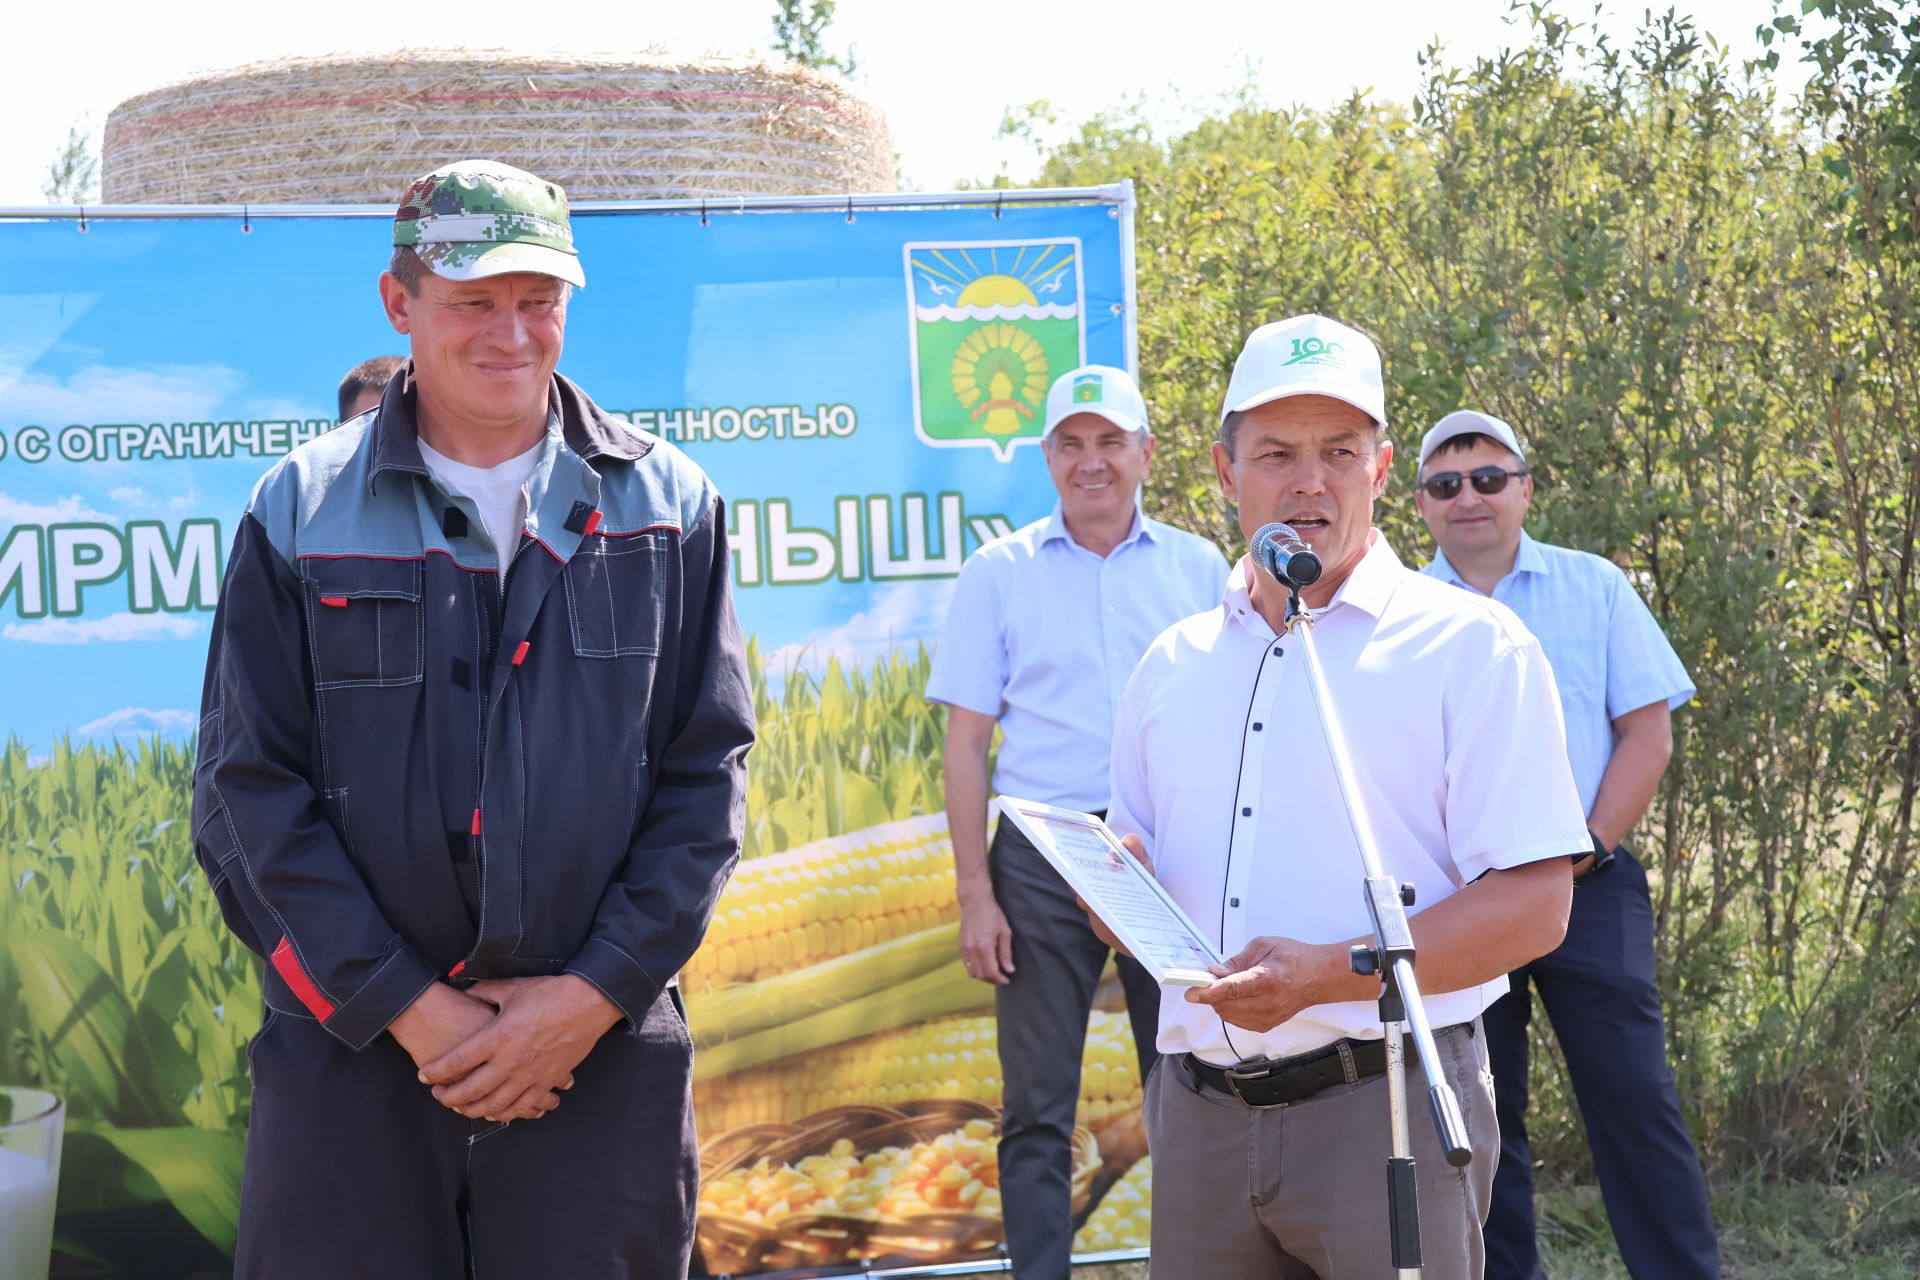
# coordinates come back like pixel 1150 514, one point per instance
pixel 953 1057
pixel 826 899
pixel 859 382
pixel 829 987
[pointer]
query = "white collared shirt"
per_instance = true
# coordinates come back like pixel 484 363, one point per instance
pixel 1453 728
pixel 1042 635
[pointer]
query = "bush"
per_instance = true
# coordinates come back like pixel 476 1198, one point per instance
pixel 1699 311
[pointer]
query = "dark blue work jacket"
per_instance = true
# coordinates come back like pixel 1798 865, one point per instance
pixel 407 773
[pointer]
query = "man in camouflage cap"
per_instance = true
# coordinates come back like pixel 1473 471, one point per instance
pixel 477 218
pixel 471 777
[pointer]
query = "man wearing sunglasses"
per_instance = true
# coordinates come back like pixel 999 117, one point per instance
pixel 1618 681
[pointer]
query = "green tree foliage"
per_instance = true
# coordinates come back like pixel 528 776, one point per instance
pixel 800 32
pixel 1697 303
pixel 73 175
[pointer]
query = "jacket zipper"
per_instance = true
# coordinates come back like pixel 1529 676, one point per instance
pixel 496 615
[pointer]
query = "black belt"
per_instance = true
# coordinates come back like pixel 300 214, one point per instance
pixel 1259 1083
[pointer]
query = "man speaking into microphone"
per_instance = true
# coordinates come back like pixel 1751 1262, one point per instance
pixel 1045 627
pixel 1267 1114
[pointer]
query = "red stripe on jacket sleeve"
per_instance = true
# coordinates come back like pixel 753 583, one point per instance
pixel 288 966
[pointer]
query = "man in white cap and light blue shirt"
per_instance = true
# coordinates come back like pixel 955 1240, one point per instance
pixel 1222 780
pixel 1619 682
pixel 1045 627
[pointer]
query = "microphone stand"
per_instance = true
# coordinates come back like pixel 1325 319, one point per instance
pixel 1391 957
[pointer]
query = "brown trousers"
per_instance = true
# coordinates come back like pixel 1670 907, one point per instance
pixel 1300 1192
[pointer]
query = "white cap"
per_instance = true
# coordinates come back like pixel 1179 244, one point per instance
pixel 1098 389
pixel 1465 422
pixel 1307 355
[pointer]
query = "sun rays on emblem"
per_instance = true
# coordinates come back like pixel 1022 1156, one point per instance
pixel 1032 271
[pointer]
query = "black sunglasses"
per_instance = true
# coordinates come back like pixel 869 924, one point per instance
pixel 1444 486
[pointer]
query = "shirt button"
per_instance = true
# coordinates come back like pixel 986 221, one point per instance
pixel 1247 812
pixel 1278 652
pixel 1233 902
pixel 1256 726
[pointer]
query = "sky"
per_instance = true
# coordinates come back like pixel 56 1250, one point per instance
pixel 944 77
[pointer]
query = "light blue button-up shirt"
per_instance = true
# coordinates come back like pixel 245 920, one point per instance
pixel 1043 634
pixel 1609 656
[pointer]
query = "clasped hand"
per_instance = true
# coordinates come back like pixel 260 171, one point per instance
pixel 504 1049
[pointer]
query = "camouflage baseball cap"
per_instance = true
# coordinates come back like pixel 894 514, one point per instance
pixel 477 218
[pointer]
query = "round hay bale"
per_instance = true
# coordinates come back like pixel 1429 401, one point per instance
pixel 355 129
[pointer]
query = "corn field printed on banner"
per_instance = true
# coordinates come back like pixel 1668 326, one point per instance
pixel 841 750
pixel 122 991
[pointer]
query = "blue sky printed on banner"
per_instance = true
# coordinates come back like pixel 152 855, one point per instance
pixel 793 328
pixel 942 274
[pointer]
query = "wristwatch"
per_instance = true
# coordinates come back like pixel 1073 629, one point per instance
pixel 1603 858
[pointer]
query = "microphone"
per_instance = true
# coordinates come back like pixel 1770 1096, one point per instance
pixel 1281 552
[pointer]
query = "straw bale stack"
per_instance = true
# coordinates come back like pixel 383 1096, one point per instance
pixel 355 129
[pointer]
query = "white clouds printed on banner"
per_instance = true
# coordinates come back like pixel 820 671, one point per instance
pixel 104 393
pixel 117 628
pixel 138 722
pixel 134 498
pixel 900 616
pixel 283 409
pixel 30 324
pixel 72 509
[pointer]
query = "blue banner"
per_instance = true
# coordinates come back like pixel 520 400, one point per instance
pixel 858 386
pixel 866 386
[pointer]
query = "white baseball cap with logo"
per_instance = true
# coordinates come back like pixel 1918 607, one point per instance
pixel 1463 422
pixel 1307 355
pixel 1098 389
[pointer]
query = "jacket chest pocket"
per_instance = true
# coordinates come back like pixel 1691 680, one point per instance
pixel 616 595
pixel 364 621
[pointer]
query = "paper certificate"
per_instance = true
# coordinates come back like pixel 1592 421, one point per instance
pixel 1093 862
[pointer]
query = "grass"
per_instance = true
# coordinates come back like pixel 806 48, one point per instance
pixel 1865 1230
pixel 1868 1229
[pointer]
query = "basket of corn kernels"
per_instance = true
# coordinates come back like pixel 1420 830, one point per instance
pixel 917 1182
